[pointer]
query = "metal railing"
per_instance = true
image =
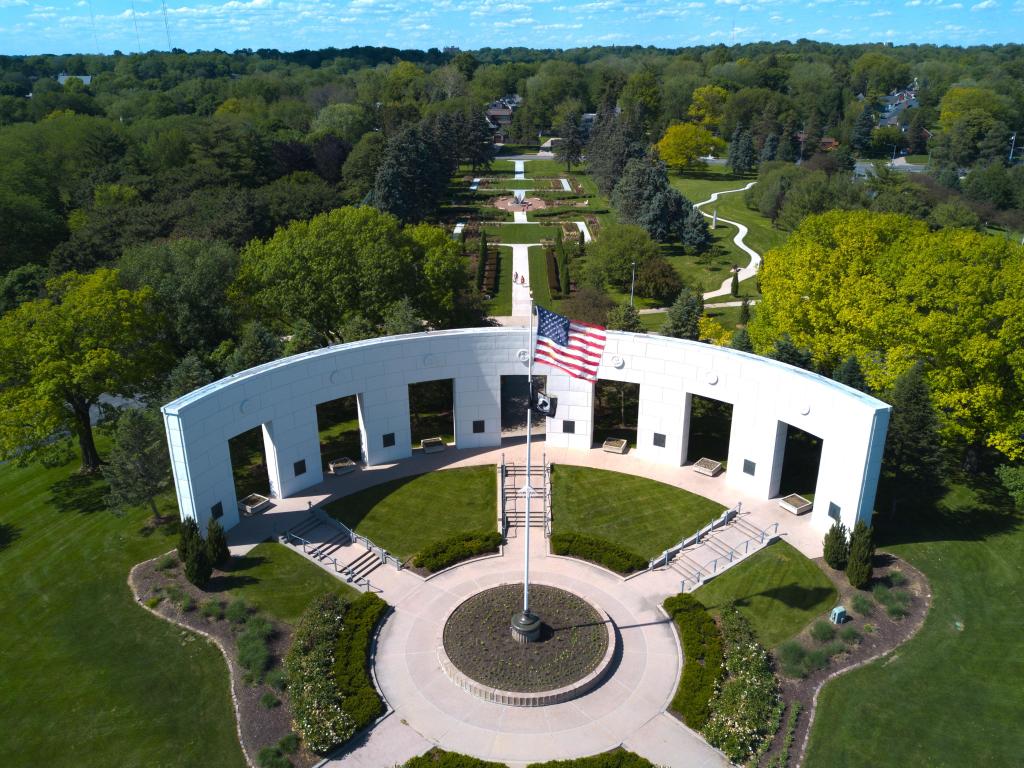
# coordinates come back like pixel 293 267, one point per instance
pixel 547 497
pixel 665 557
pixel 383 556
pixel 502 516
pixel 703 572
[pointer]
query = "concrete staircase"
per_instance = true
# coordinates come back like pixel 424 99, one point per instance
pixel 514 497
pixel 719 551
pixel 325 541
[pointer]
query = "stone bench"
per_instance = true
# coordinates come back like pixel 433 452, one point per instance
pixel 708 467
pixel 615 445
pixel 341 466
pixel 253 504
pixel 432 444
pixel 796 504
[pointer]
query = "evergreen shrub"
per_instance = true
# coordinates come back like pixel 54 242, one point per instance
pixel 702 649
pixel 463 546
pixel 597 550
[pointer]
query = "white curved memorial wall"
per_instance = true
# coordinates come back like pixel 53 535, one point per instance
pixel 766 396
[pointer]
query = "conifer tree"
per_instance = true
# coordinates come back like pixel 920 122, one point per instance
pixel 850 373
pixel 734 288
pixel 217 544
pixel 198 568
pixel 745 311
pixel 188 538
pixel 625 318
pixel 683 317
pixel 862 553
pixel 913 448
pixel 837 546
pixel 742 157
pixel 138 468
pixel 481 261
pixel 741 340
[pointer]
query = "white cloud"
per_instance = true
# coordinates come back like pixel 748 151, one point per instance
pixel 984 5
pixel 881 13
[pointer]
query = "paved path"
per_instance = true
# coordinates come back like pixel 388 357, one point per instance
pixel 520 166
pixel 519 217
pixel 521 300
pixel 565 185
pixel 584 230
pixel 629 708
pixel 748 271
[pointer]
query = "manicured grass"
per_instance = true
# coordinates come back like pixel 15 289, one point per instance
pixel 549 169
pixel 407 514
pixel 952 695
pixel 519 233
pixel 642 515
pixel 539 278
pixel 501 304
pixel 779 591
pixel 653 322
pixel 729 317
pixel 89 677
pixel 277 581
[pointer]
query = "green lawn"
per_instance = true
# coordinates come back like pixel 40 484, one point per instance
pixel 953 695
pixel 501 304
pixel 407 514
pixel 519 233
pixel 779 590
pixel 277 581
pixel 539 278
pixel 549 169
pixel 653 322
pixel 642 515
pixel 89 677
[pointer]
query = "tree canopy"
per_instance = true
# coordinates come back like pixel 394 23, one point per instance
pixel 885 289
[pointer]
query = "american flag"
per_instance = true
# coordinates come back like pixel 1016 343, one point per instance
pixel 570 345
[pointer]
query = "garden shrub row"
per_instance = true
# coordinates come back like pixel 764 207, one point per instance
pixel 747 707
pixel 702 654
pixel 598 551
pixel 317 703
pixel 463 546
pixel 361 702
pixel 617 758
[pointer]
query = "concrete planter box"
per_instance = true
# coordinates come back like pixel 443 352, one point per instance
pixel 253 504
pixel 615 445
pixel 432 444
pixel 796 504
pixel 341 466
pixel 708 467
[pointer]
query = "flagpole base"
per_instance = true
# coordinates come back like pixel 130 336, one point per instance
pixel 525 627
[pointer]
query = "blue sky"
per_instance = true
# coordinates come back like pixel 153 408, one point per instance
pixel 88 26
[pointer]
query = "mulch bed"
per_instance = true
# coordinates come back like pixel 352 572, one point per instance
pixel 887 634
pixel 257 726
pixel 478 639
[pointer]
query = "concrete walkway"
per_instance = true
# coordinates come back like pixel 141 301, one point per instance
pixel 584 230
pixel 520 168
pixel 519 217
pixel 521 296
pixel 748 271
pixel 628 709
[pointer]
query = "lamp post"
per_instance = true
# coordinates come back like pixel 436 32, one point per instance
pixel 632 281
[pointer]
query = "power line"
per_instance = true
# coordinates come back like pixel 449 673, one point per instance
pixel 167 27
pixel 135 21
pixel 92 19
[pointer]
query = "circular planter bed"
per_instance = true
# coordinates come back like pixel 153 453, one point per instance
pixel 572 656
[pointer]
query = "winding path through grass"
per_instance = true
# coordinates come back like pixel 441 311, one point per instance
pixel 746 272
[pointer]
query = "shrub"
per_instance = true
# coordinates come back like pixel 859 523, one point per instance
pixel 849 635
pixel 862 605
pixel 896 610
pixel 747 707
pixel 188 538
pixel 212 609
pixel 253 651
pixel 187 603
pixel 438 758
pixel 289 744
pixel 154 601
pixel 897 578
pixel 316 700
pixel 276 679
pixel 702 649
pixel 198 568
pixel 461 547
pixel 793 657
pixel 166 562
pixel 862 552
pixel 870 628
pixel 835 648
pixel 823 631
pixel 598 551
pixel 881 594
pixel 362 703
pixel 781 760
pixel 237 611
pixel 217 544
pixel 837 546
pixel 816 659
pixel 269 700
pixel 272 757
pixel 617 758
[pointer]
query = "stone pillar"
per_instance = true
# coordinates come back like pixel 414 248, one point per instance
pixel 575 406
pixel 477 399
pixel 384 424
pixel 757 444
pixel 293 453
pixel 663 425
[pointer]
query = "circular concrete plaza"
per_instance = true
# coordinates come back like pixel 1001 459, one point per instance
pixel 639 687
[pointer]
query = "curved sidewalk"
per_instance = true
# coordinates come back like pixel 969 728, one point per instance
pixel 748 271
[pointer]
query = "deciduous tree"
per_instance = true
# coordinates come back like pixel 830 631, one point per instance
pixel 685 143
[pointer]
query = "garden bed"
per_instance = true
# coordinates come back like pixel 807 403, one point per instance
pixel 885 635
pixel 478 639
pixel 258 725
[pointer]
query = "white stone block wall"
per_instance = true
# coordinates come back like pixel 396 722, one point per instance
pixel 766 395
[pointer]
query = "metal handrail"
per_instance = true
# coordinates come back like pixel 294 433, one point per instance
pixel 668 554
pixel 713 564
pixel 304 543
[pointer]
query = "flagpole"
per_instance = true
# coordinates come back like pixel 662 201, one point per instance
pixel 529 475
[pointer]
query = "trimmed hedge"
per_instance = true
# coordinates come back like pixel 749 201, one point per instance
pixel 703 659
pixel 598 551
pixel 464 546
pixel 617 758
pixel 352 660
